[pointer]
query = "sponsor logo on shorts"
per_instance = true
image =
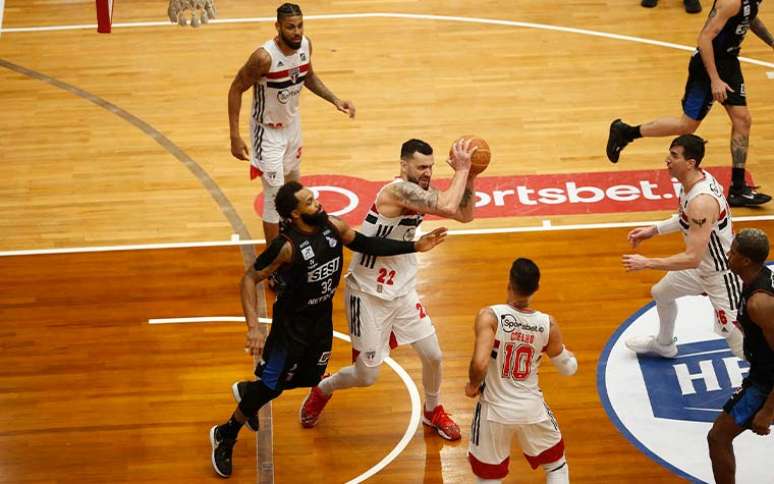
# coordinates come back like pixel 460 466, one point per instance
pixel 665 407
pixel 370 355
pixel 409 234
pixel 324 358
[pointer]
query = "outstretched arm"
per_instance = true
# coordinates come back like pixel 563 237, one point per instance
pixel 485 329
pixel 315 84
pixel 279 252
pixel 702 214
pixel 386 247
pixel 254 69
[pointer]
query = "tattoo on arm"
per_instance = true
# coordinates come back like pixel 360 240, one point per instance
pixel 700 223
pixel 415 197
pixel 739 146
pixel 713 13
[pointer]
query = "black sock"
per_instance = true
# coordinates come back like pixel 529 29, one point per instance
pixel 231 429
pixel 737 178
pixel 632 133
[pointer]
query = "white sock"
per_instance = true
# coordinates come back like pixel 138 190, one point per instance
pixel 560 473
pixel 667 313
pixel 429 352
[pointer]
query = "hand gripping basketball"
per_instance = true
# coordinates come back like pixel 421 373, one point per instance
pixel 480 158
pixel 201 11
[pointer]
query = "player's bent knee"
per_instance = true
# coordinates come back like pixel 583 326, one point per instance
pixel 366 376
pixel 257 394
pixel 661 292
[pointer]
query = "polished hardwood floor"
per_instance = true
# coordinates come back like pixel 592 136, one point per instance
pixel 90 392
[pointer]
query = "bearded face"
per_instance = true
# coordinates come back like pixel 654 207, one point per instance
pixel 317 219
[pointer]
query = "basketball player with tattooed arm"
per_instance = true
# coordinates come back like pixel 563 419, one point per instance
pixel 276 72
pixel 752 407
pixel 382 305
pixel 510 339
pixel 308 255
pixel 704 219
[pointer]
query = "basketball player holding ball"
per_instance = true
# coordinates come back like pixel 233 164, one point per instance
pixel 382 305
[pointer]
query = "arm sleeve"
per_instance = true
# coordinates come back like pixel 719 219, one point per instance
pixel 378 246
pixel 668 226
pixel 269 254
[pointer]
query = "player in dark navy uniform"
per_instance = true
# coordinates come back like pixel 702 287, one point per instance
pixel 308 256
pixel 752 407
pixel 714 74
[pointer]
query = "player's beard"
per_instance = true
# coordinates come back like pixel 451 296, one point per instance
pixel 317 219
pixel 290 43
pixel 424 182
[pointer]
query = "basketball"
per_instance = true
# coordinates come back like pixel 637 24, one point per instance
pixel 480 159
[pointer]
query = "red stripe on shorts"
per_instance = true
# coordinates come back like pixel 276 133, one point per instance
pixel 489 471
pixel 552 454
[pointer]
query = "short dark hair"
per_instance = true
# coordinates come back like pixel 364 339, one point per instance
pixel 412 146
pixel 524 276
pixel 286 200
pixel 753 244
pixel 288 10
pixel 693 147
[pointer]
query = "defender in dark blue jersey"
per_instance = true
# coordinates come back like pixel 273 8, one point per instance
pixel 714 74
pixel 308 255
pixel 752 407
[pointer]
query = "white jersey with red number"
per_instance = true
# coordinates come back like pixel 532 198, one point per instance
pixel 381 276
pixel 715 257
pixel 276 95
pixel 511 382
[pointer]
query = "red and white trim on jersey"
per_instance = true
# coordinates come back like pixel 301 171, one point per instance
pixel 386 277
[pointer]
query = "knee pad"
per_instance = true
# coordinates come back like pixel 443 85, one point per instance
pixel 256 396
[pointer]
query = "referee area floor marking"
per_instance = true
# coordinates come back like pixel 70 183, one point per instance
pixel 407 381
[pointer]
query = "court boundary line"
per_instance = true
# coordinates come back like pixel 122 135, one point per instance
pixel 447 18
pixel 546 227
pixel 411 387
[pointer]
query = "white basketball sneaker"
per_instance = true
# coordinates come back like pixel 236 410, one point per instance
pixel 649 345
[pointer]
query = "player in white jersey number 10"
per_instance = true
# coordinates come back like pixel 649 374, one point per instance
pixel 503 373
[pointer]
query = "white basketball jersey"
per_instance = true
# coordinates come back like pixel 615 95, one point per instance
pixel 511 382
pixel 386 277
pixel 276 95
pixel 715 258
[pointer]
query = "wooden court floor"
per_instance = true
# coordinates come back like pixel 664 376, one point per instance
pixel 104 139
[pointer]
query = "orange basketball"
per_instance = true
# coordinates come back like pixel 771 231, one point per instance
pixel 480 159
